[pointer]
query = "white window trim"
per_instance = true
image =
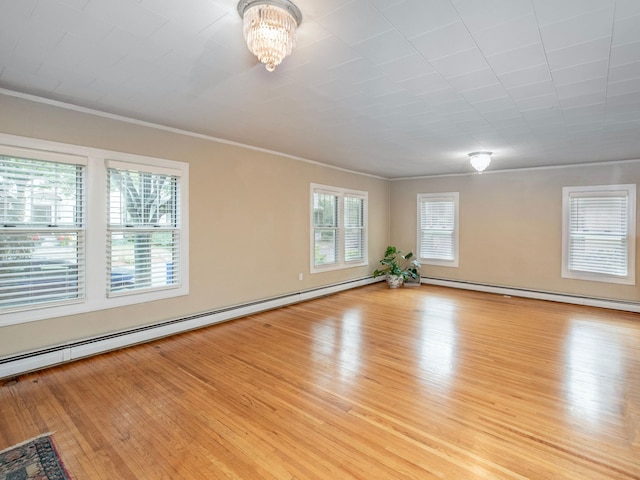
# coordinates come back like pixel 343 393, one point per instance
pixel 630 279
pixel 341 193
pixel 96 227
pixel 455 196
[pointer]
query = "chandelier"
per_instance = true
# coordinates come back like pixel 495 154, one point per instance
pixel 270 29
pixel 480 160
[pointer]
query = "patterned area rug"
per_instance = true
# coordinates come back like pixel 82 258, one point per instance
pixel 34 459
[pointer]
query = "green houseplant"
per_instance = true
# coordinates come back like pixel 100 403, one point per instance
pixel 398 267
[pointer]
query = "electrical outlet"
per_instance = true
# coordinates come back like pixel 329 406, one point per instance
pixel 300 276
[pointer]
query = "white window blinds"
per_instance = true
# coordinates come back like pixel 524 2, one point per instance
pixel 325 222
pixel 42 238
pixel 143 235
pixel 437 228
pixel 598 232
pixel 354 233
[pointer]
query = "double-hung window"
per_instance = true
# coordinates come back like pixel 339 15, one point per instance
pixel 42 232
pixel 599 233
pixel 143 237
pixel 438 228
pixel 338 228
pixel 83 229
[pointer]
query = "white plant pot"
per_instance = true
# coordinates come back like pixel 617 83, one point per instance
pixel 395 281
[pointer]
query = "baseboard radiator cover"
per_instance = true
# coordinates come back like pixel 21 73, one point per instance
pixel 13 366
pixel 535 294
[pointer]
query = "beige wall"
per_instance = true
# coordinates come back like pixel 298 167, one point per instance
pixel 511 226
pixel 249 221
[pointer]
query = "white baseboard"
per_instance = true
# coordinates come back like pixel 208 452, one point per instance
pixel 554 297
pixel 18 365
pixel 24 363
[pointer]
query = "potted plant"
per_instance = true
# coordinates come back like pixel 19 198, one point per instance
pixel 398 267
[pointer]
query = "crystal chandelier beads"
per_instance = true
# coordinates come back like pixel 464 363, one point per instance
pixel 270 29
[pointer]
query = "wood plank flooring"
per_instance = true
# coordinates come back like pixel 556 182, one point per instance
pixel 417 383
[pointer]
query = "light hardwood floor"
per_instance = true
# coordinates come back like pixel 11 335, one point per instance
pixel 372 383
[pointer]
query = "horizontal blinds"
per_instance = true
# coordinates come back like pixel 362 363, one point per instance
pixel 354 231
pixel 598 236
pixel 42 240
pixel 143 231
pixel 437 228
pixel 326 236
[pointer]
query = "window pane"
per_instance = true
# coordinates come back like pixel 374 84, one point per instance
pixel 598 234
pixel 437 228
pixel 35 192
pixel 353 212
pixel 141 198
pixel 326 246
pixel 41 241
pixel 139 258
pixel 142 260
pixel 39 267
pixel 353 244
pixel 338 228
pixel 325 210
pixel 436 245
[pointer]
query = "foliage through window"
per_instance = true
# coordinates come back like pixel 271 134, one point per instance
pixel 438 228
pixel 599 233
pixel 143 234
pixel 339 232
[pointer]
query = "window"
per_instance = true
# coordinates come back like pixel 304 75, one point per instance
pixel 80 233
pixel 599 233
pixel 438 228
pixel 143 237
pixel 42 247
pixel 338 228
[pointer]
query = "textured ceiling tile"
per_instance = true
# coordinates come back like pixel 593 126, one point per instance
pixel 471 80
pixel 425 83
pixel 518 59
pixel 526 76
pixel 552 11
pixel 445 41
pixel 578 73
pixel 535 103
pixel 595 86
pixel 577 30
pixel 624 72
pixel 193 14
pixel 521 32
pixel 416 17
pixel 623 87
pixel 627 8
pixel 126 16
pixel 85 26
pixel 484 93
pixel 626 31
pixel 460 63
pixel 578 54
pixel 355 22
pixel 490 13
pixel 627 53
pixel 406 68
pixel 385 47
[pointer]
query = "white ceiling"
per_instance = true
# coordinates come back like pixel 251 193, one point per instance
pixel 387 87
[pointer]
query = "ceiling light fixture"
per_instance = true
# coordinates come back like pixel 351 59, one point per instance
pixel 269 27
pixel 480 160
